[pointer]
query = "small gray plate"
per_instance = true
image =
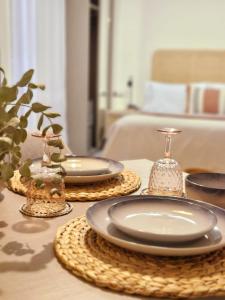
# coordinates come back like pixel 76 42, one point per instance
pixel 113 169
pixel 168 220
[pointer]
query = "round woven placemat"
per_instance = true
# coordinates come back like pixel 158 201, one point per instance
pixel 87 255
pixel 123 184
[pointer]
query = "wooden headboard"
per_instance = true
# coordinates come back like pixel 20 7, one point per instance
pixel 185 66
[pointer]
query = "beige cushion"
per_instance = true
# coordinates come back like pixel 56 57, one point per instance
pixel 206 98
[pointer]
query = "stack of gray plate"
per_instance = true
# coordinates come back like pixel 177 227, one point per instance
pixel 168 226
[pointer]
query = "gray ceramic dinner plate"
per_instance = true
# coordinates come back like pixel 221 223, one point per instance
pixel 168 220
pixel 98 219
pixel 100 169
pixel 209 187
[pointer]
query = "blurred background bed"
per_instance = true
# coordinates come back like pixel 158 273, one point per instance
pixel 202 143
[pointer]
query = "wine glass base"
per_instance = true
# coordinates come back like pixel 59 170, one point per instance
pixel 38 214
pixel 169 194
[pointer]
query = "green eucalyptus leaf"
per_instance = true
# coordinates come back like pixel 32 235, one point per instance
pixel 2 71
pixel 4 81
pixel 30 94
pixel 23 122
pixel 55 166
pixel 41 87
pixel 44 131
pixel 17 155
pixel 2 156
pixel 17 137
pixel 32 85
pixel 58 157
pixel 56 143
pixel 7 171
pixel 4 116
pixel 51 115
pixel 5 144
pixel 14 122
pixel 23 135
pixel 16 151
pixel 24 99
pixel 38 107
pixel 55 191
pixel 39 184
pixel 24 169
pixel 10 131
pixel 56 128
pixel 8 94
pixel 28 161
pixel 27 114
pixel 15 159
pixel 36 86
pixel 40 122
pixel 6 140
pixel 26 78
pixel 14 109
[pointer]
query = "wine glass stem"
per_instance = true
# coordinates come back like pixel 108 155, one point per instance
pixel 167 152
pixel 46 155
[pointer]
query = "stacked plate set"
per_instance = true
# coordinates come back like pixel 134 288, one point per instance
pixel 86 170
pixel 166 226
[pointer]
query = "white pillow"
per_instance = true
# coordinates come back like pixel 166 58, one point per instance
pixel 211 85
pixel 164 97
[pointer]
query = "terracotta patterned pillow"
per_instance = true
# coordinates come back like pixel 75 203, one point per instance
pixel 205 100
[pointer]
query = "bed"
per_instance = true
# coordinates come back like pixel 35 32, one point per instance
pixel 201 145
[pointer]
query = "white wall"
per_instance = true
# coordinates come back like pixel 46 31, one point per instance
pixel 5 42
pixel 77 39
pixel 127 48
pixel 103 53
pixel 146 25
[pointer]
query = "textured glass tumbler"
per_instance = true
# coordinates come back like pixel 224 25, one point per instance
pixel 166 177
pixel 45 193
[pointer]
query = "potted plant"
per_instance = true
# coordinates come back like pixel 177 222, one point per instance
pixel 13 124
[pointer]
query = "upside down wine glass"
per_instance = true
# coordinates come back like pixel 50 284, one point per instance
pixel 166 177
pixel 47 150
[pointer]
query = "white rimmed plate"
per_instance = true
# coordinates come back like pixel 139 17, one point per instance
pixel 168 220
pixel 85 166
pixel 113 169
pixel 98 219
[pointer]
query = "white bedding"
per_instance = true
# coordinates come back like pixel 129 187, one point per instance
pixel 200 145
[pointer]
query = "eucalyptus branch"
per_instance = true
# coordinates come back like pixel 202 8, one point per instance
pixel 14 104
pixel 50 120
pixel 13 127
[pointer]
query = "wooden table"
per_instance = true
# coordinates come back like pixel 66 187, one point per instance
pixel 28 267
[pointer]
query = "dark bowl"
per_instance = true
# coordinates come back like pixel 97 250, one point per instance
pixel 208 187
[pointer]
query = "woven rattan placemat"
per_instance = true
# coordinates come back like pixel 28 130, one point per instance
pixel 87 255
pixel 123 184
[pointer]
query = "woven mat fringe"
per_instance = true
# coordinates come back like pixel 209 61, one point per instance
pixel 87 255
pixel 123 184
